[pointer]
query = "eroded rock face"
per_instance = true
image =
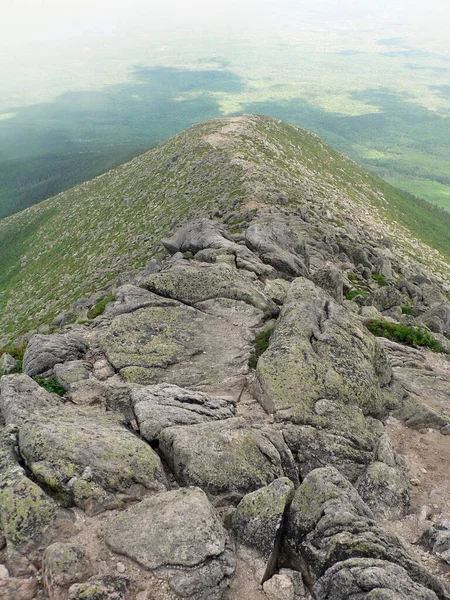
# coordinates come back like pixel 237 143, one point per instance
pixel 189 548
pixel 331 530
pixel 259 516
pixel 20 396
pixel 45 351
pixel 227 458
pixel 160 406
pixel 89 459
pixel 191 282
pixel 318 351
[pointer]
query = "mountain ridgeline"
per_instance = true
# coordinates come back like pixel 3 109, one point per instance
pixel 78 242
pixel 217 353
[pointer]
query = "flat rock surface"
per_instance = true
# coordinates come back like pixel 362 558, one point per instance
pixel 160 406
pixel 179 345
pixel 188 541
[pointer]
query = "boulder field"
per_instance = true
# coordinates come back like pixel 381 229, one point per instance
pixel 223 429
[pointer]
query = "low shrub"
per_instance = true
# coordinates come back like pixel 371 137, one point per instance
pixel 51 384
pixel 406 309
pixel 404 334
pixel 379 278
pixel 100 306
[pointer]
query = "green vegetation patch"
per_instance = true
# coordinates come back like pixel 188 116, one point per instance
pixel 379 278
pixel 100 306
pixel 51 384
pixel 404 334
pixel 261 344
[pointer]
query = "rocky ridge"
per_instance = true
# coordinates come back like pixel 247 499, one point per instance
pixel 170 468
pixel 229 427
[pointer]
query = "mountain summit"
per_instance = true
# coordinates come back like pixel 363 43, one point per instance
pixel 78 242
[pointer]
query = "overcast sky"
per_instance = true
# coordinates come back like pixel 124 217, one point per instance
pixel 24 20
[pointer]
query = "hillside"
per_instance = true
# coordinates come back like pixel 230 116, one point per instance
pixel 79 241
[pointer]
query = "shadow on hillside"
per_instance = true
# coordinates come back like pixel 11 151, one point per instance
pixel 49 147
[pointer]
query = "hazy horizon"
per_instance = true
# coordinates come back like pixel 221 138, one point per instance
pixel 371 78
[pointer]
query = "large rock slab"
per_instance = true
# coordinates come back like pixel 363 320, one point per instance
pixel 160 406
pixel 45 351
pixel 199 235
pixel 278 244
pixel 318 351
pixel 189 545
pixel 89 458
pixel 329 525
pixel 20 396
pixel 192 281
pixel 179 345
pixel 227 458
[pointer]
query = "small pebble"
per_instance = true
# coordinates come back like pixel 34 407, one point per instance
pixel 414 481
pixel 120 567
pixel 424 471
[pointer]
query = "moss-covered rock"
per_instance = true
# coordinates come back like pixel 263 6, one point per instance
pixel 179 345
pixel 329 524
pixel 318 350
pixel 25 510
pixel 86 457
pixel 192 282
pixel 259 515
pixel 227 458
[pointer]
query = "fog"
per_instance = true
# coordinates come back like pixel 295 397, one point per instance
pixel 24 21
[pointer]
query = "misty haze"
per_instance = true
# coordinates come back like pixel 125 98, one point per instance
pixel 88 85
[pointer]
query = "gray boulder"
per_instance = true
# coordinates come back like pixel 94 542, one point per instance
pixel 189 546
pixel 7 363
pixel 160 406
pixel 330 279
pixel 227 458
pixel 108 587
pixel 20 396
pixel 199 235
pixel 259 516
pixel 63 565
pixel 317 351
pixel 191 282
pixel 329 525
pixel 25 510
pixel 130 298
pixel 72 372
pixel 45 351
pixel 89 458
pixel 384 486
pixel 386 297
pixel 370 579
pixel 278 244
pixel 437 318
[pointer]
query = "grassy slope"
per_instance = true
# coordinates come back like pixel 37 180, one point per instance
pixel 77 242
